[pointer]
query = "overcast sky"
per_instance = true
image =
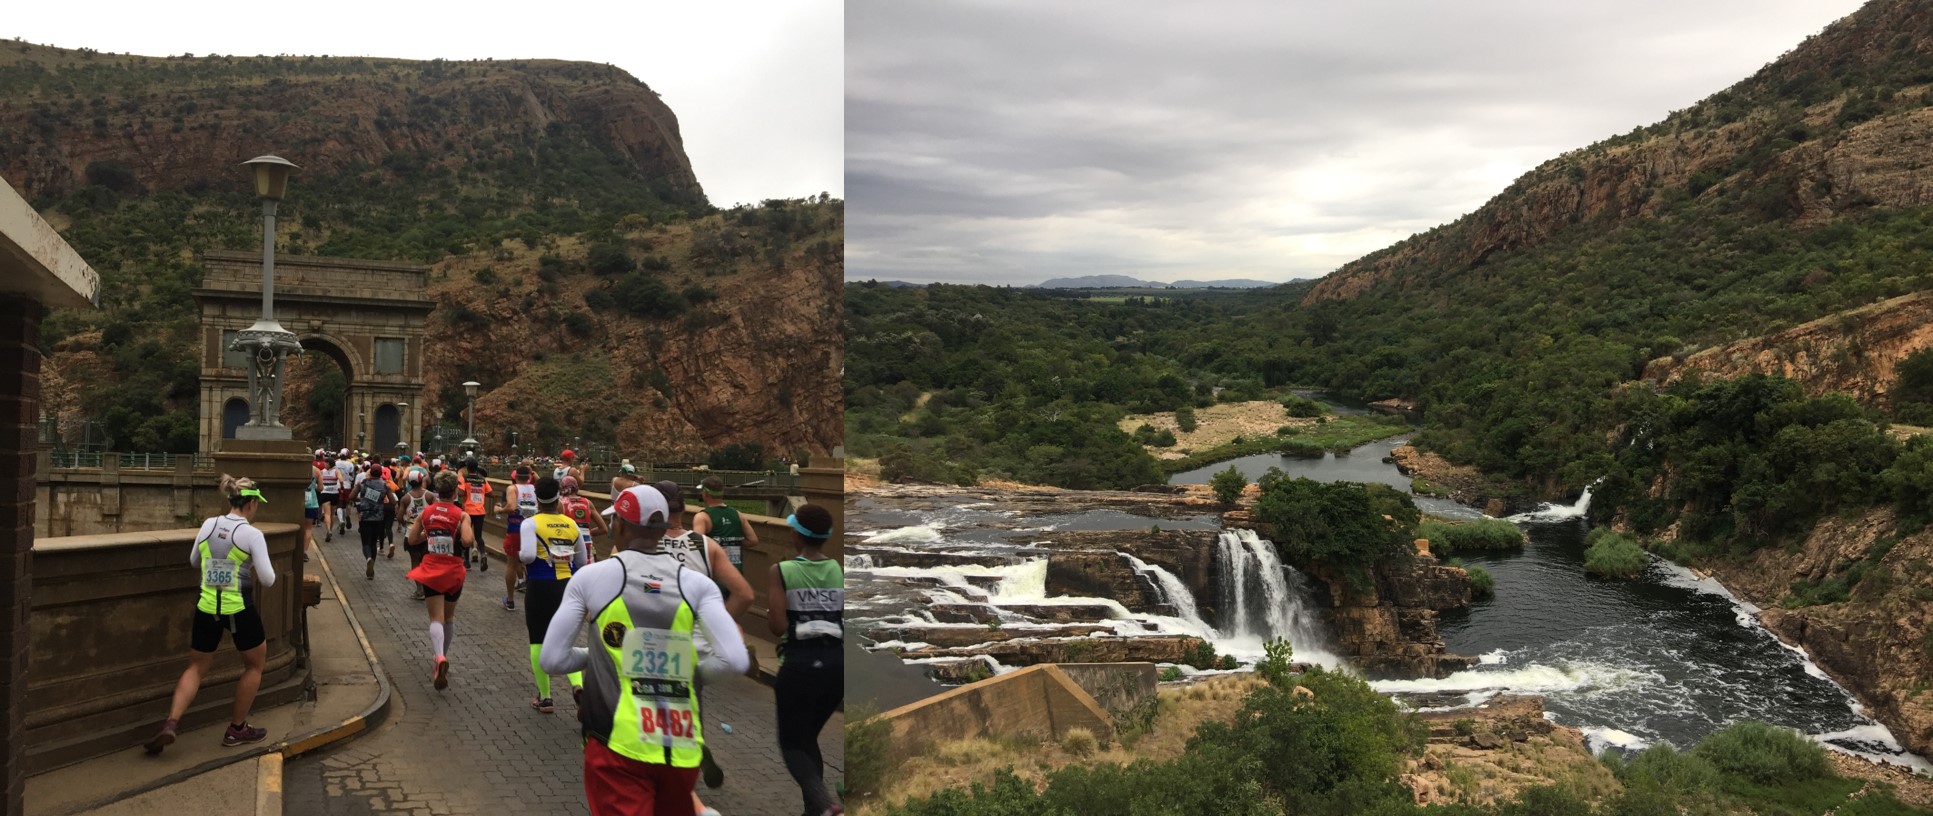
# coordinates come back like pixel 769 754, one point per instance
pixel 1014 141
pixel 756 84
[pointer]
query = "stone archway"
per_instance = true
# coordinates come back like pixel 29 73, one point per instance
pixel 370 317
pixel 234 414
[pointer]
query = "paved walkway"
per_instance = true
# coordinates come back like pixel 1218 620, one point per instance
pixel 478 747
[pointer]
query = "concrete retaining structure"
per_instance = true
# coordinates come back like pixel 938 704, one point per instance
pixel 112 499
pixel 1040 701
pixel 110 628
pixel 1117 687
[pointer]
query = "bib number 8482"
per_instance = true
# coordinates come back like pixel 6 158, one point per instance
pixel 675 723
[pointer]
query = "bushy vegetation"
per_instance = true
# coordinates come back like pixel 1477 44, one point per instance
pixel 1300 406
pixel 1342 524
pixel 1614 555
pixel 1228 485
pixel 1470 536
pixel 1482 583
pixel 1340 752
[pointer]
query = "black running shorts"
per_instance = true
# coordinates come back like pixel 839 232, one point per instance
pixel 246 626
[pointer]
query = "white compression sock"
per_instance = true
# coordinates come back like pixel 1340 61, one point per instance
pixel 437 635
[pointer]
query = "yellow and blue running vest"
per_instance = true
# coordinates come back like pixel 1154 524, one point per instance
pixel 557 537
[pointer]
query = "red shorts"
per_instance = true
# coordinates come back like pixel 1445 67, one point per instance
pixel 617 785
pixel 512 542
pixel 442 574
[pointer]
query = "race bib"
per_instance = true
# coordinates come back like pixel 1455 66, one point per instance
pixel 667 721
pixel 218 573
pixel 658 654
pixel 443 544
pixel 560 558
pixel 476 494
pixel 734 549
pixel 526 505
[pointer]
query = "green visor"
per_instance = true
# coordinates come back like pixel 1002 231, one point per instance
pixel 253 493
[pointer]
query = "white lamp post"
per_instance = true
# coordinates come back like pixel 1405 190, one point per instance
pixel 267 343
pixel 402 426
pixel 470 442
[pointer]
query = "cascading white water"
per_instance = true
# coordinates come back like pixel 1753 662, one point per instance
pixel 1259 602
pixel 1174 592
pixel 1559 512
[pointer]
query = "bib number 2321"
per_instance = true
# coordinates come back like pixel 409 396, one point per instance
pixel 658 654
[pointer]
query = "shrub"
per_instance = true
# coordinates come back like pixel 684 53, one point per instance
pixel 1302 407
pixel 1275 665
pixel 1481 584
pixel 1080 742
pixel 869 751
pixel 1471 536
pixel 486 275
pixel 1228 485
pixel 1171 674
pixel 1464 727
pixel 1765 754
pixel 1614 556
pixel 1185 419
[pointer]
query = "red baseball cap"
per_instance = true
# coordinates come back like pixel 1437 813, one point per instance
pixel 567 454
pixel 642 505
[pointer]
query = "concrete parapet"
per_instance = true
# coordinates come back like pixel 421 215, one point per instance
pixel 1040 701
pixel 1117 687
pixel 110 629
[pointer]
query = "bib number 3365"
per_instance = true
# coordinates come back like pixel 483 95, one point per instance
pixel 218 574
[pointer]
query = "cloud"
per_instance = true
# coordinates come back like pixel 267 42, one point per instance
pixel 1009 142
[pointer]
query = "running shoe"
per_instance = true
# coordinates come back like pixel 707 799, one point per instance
pixel 714 775
pixel 483 562
pixel 543 704
pixel 440 675
pixel 369 568
pixel 508 603
pixel 392 550
pixel 520 584
pixel 328 536
pixel 162 739
pixel 242 734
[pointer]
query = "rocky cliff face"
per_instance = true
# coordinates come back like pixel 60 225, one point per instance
pixel 1879 642
pixel 1386 624
pixel 1853 352
pixel 184 122
pixel 1844 151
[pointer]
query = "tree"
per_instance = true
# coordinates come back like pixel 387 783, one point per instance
pixel 1185 419
pixel 1228 485
pixel 1336 523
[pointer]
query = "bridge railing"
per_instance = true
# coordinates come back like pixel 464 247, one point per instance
pixel 126 460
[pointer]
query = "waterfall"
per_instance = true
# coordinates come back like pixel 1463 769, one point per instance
pixel 1174 592
pixel 1259 602
pixel 1559 512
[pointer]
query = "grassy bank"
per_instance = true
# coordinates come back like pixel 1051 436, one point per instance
pixel 1339 433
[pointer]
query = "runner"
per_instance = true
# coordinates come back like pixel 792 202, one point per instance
pixel 568 467
pixel 625 479
pixel 552 548
pixel 643 739
pixel 444 536
pixel 521 501
pixel 805 606
pixel 706 556
pixel 415 500
pixel 722 521
pixel 312 511
pixel 589 521
pixel 372 503
pixel 331 481
pixel 346 475
pixel 476 487
pixel 232 558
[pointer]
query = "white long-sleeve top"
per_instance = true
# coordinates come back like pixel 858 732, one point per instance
pixel 249 539
pixel 604 580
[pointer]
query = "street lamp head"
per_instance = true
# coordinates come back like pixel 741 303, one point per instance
pixel 470 388
pixel 271 176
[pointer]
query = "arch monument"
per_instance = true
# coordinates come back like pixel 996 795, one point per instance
pixel 368 316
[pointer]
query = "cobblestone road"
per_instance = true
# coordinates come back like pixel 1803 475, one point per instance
pixel 478 747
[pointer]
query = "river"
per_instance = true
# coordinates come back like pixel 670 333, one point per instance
pixel 1665 658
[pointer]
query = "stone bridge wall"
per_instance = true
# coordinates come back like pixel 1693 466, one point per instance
pixel 110 626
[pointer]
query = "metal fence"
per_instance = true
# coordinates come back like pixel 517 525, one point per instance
pixel 127 461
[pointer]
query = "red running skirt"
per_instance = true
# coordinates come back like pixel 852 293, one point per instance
pixel 441 573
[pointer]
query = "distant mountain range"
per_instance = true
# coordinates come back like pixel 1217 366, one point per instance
pixel 1125 282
